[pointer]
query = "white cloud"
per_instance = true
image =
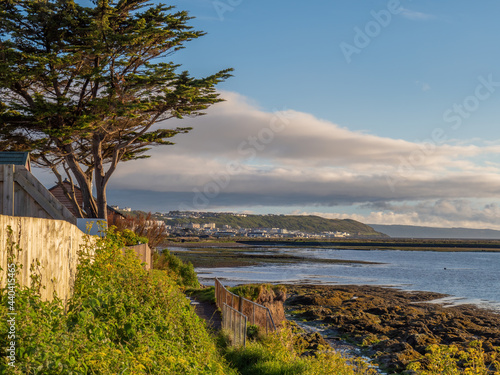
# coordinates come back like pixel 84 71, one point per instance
pixel 424 86
pixel 241 155
pixel 442 213
pixel 415 15
pixel 295 151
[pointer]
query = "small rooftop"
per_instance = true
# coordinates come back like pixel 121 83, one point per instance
pixel 16 158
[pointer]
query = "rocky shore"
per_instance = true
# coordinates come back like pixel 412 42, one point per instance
pixel 394 327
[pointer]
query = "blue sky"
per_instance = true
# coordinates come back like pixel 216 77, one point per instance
pixel 382 111
pixel 288 55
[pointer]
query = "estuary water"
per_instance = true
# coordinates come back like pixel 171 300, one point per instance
pixel 467 277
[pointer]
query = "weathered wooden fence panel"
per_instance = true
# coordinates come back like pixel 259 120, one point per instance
pixel 24 195
pixel 54 243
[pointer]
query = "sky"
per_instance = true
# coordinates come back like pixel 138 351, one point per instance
pixel 386 112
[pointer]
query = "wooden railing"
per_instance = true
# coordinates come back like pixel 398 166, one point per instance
pixel 255 313
pixel 235 323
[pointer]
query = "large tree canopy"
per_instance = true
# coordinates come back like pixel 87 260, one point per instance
pixel 84 88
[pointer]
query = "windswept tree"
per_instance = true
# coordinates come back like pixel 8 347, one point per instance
pixel 84 88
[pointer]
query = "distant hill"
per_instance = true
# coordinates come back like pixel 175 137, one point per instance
pixel 410 231
pixel 310 224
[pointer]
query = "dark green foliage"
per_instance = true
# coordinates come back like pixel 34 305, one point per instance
pixel 182 272
pixel 83 87
pixel 253 332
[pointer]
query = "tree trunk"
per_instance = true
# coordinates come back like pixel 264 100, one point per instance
pixel 89 204
pixel 102 201
pixel 100 178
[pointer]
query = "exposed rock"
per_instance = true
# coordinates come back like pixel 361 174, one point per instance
pixel 273 300
pixel 395 326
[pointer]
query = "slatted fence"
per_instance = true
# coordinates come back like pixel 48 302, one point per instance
pixel 255 313
pixel 53 243
pixel 236 324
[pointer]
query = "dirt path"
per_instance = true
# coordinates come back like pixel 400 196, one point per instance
pixel 208 311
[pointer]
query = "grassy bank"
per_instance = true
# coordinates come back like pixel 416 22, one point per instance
pixel 280 353
pixel 120 320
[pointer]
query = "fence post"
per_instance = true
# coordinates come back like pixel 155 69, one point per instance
pixel 238 329
pixel 253 314
pixel 231 321
pixel 8 190
pixel 245 333
pixel 271 320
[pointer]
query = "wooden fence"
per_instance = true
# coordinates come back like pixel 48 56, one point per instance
pixel 23 195
pixel 236 324
pixel 143 252
pixel 54 243
pixel 256 314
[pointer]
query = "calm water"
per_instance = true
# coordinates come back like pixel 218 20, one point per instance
pixel 466 277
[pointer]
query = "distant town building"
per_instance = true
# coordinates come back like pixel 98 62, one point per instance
pixel 224 234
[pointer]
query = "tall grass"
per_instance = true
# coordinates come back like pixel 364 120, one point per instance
pixel 276 354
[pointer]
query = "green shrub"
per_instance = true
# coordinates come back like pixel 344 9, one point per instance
pixel 450 360
pixel 120 320
pixel 275 354
pixel 129 237
pixel 183 273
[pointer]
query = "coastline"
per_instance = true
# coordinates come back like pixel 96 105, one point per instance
pixel 392 326
pixel 217 256
pixel 439 245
